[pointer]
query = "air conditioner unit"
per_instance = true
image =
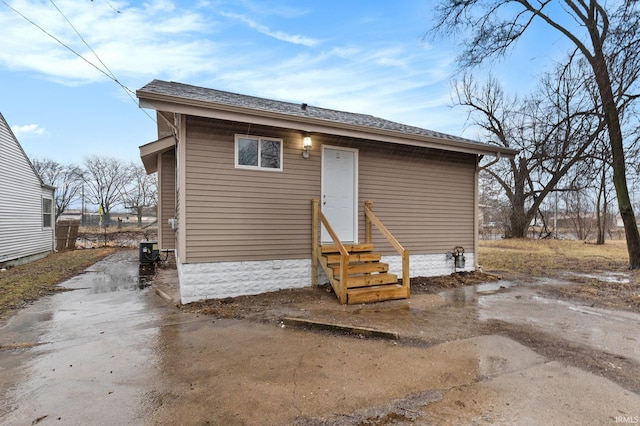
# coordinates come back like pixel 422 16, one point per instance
pixel 149 252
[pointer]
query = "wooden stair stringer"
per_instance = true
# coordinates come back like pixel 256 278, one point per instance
pixel 368 279
pixel 328 270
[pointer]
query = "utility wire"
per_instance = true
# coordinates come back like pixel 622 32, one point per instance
pixel 111 6
pixel 109 75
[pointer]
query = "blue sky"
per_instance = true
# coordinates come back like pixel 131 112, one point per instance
pixel 358 56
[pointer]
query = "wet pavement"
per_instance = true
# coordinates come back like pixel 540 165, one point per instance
pixel 113 352
pixel 82 356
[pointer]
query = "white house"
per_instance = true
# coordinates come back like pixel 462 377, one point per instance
pixel 27 208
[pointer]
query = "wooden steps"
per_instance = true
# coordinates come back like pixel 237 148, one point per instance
pixel 376 293
pixel 368 279
pixel 363 268
pixel 351 248
pixel 356 257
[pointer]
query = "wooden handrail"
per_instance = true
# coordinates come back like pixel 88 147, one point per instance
pixel 371 218
pixel 317 215
pixel 336 240
pixel 383 229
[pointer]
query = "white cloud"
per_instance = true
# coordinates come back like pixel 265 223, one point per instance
pixel 408 88
pixel 27 130
pixel 360 72
pixel 151 40
pixel 279 35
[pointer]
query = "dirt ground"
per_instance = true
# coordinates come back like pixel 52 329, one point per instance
pixel 589 290
pixel 501 351
pixel 447 322
pixel 261 307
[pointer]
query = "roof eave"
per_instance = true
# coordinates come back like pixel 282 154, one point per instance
pixel 163 102
pixel 149 152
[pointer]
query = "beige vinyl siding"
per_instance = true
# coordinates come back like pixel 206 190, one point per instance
pixel 167 198
pixel 238 214
pixel 21 229
pixel 425 197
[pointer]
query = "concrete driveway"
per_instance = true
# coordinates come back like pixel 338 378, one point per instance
pixel 110 352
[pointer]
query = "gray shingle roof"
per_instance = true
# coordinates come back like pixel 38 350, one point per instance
pixel 202 94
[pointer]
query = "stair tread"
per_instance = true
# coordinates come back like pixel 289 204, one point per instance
pixel 379 287
pixel 331 248
pixel 370 280
pixel 363 268
pixel 377 293
pixel 357 257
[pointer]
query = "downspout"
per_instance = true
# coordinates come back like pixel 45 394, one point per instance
pixel 181 187
pixel 490 163
pixel 476 213
pixel 170 123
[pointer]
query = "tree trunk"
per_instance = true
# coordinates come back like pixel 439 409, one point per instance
pixel 612 119
pixel 601 219
pixel 518 219
pixel 518 224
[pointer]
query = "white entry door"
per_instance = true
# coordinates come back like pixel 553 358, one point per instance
pixel 340 192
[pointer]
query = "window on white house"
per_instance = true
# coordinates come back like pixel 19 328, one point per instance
pixel 47 212
pixel 253 152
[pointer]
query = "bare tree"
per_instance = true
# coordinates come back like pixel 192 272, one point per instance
pixel 606 34
pixel 604 220
pixel 66 178
pixel 579 212
pixel 141 192
pixel 552 130
pixel 105 177
pixel 596 173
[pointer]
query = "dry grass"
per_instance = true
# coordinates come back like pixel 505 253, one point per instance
pixel 22 284
pixel 584 265
pixel 93 236
pixel 545 257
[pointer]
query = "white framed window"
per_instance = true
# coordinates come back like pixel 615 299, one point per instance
pixel 258 153
pixel 47 212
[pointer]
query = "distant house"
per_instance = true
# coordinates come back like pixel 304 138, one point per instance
pixel 258 195
pixel 27 216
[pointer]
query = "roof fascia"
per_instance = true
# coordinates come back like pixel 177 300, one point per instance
pixel 180 105
pixel 149 152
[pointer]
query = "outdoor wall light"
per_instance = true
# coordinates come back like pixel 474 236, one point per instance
pixel 306 144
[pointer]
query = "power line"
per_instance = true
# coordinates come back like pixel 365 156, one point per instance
pixel 111 6
pixel 109 75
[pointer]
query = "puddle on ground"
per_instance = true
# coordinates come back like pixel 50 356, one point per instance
pixel 114 352
pixel 608 277
pixel 467 295
pixel 93 346
pixel 603 329
pixel 116 273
